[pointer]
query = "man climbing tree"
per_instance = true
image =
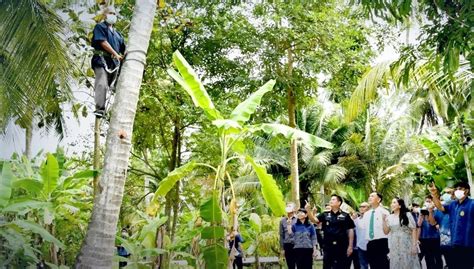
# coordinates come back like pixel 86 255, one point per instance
pixel 109 46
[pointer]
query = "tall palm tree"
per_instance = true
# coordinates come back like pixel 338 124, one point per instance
pixel 98 247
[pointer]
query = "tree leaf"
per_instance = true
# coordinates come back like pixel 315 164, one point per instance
pixel 50 174
pixel 31 185
pixel 193 86
pixel 35 228
pixel 244 110
pixel 292 133
pixel 255 222
pixel 26 206
pixel 212 232
pixel 270 190
pixel 215 256
pixel 169 181
pixel 148 232
pixel 210 210
pixel 6 184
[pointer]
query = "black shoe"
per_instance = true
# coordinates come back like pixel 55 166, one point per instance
pixel 99 113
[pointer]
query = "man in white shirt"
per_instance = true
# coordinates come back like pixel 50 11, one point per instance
pixel 361 236
pixel 377 246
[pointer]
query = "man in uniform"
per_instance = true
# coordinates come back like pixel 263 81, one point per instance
pixel 338 229
pixel 461 216
pixel 109 47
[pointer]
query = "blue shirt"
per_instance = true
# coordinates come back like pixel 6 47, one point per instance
pixel 304 235
pixel 461 216
pixel 285 237
pixel 102 32
pixel 444 228
pixel 428 231
pixel 237 240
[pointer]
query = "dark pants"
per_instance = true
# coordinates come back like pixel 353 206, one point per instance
pixel 354 259
pixel 304 258
pixel 238 263
pixel 431 251
pixel 364 264
pixel 377 251
pixel 101 86
pixel 290 255
pixel 446 251
pixel 335 257
pixel 462 257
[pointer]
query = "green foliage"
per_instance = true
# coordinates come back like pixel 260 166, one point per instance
pixel 270 190
pixel 169 181
pixel 5 184
pixel 193 86
pixel 35 217
pixel 211 211
pixel 244 110
pixel 49 174
pixel 446 25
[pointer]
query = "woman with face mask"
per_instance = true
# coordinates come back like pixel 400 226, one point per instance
pixel 461 216
pixel 305 240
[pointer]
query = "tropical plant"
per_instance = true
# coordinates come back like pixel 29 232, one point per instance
pixel 49 201
pixel 231 133
pixel 36 68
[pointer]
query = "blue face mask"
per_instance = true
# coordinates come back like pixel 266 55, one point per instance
pixel 446 197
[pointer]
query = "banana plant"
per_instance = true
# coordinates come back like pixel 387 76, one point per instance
pixel 33 200
pixel 231 132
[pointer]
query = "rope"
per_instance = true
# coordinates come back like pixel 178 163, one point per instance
pixel 132 51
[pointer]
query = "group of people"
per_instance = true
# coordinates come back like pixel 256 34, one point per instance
pixel 375 237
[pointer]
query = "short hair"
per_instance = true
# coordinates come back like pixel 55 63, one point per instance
pixel 429 197
pixel 108 9
pixel 339 198
pixel 415 204
pixel 462 184
pixel 379 195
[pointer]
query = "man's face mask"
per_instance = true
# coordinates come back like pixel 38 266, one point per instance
pixel 289 208
pixel 111 18
pixel 459 194
pixel 446 198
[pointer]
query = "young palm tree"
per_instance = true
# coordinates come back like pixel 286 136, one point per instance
pixel 98 247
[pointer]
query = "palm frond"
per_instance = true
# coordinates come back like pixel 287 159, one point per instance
pixel 334 174
pixel 35 56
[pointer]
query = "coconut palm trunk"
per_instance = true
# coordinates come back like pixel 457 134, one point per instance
pixel 98 248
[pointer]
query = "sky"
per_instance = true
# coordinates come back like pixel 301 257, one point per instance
pixel 78 139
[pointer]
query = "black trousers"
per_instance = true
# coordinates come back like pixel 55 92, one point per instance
pixel 335 257
pixel 238 263
pixel 290 255
pixel 462 257
pixel 447 254
pixel 304 258
pixel 377 251
pixel 431 251
pixel 354 259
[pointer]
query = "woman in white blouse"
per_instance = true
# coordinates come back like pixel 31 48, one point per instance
pixel 402 238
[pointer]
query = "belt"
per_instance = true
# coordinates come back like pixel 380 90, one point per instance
pixel 102 53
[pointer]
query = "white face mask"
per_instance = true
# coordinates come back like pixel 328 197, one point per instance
pixel 459 194
pixel 111 18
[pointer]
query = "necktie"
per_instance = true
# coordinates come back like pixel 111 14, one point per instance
pixel 371 225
